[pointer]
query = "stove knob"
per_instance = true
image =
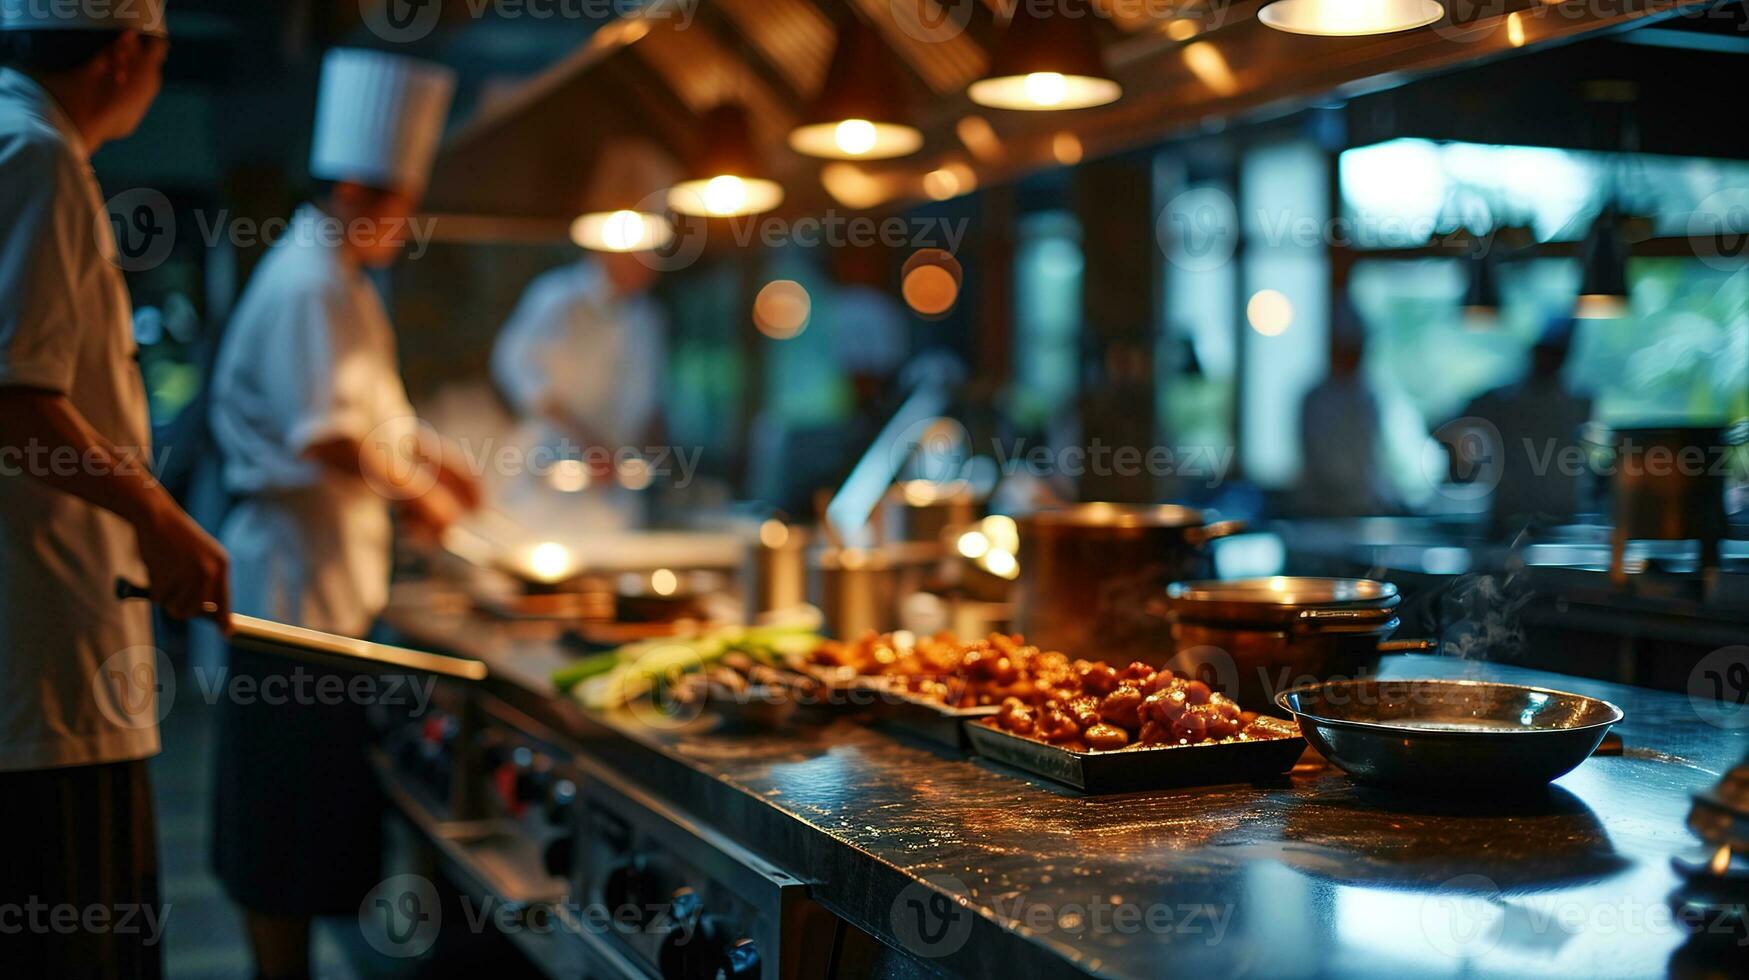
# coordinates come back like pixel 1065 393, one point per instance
pixel 630 894
pixel 741 960
pixel 701 953
pixel 562 802
pixel 560 855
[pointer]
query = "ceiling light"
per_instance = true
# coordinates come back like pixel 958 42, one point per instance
pixel 1269 313
pixel 1047 58
pixel 1348 18
pixel 622 231
pixel 624 200
pixel 859 114
pixel 782 308
pixel 1482 293
pixel 1603 286
pixel 725 179
pixel 949 181
pixel 930 282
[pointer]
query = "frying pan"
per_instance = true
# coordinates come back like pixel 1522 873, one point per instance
pixel 328 649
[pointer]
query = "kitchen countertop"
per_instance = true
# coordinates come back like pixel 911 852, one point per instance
pixel 986 872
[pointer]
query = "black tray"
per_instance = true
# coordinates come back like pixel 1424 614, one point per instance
pixel 921 718
pixel 1132 769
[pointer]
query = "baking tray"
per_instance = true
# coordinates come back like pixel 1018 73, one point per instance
pixel 1133 769
pixel 929 721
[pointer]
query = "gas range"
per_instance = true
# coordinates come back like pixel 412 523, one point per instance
pixel 588 874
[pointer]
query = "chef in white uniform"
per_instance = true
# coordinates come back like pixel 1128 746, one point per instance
pixel 320 444
pixel 78 506
pixel 581 360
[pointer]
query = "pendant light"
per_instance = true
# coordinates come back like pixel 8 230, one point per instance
pixel 1047 58
pixel 1482 292
pixel 725 179
pixel 1349 18
pixel 858 114
pixel 1603 286
pixel 623 205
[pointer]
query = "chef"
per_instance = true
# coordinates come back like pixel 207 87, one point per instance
pixel 582 356
pixel 320 444
pixel 78 505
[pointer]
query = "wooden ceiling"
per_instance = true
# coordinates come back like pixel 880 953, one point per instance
pixel 528 156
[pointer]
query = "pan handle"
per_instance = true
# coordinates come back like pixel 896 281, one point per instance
pixel 327 648
pixel 1408 646
pixel 1208 532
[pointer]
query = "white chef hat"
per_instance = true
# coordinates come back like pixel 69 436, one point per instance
pixel 145 16
pixel 379 118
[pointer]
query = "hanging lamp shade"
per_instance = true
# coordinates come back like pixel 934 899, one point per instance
pixel 1482 293
pixel 1349 18
pixel 725 178
pixel 1047 58
pixel 1603 286
pixel 623 207
pixel 859 114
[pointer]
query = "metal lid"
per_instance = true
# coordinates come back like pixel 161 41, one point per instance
pixel 1116 515
pixel 1283 599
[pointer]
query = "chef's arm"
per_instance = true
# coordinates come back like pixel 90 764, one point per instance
pixel 432 494
pixel 44 437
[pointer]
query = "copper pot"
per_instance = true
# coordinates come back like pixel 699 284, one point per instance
pixel 1251 639
pixel 1089 572
pixel 1669 484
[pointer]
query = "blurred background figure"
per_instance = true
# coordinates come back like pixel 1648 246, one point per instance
pixel 319 438
pixel 582 357
pixel 1535 420
pixel 1343 472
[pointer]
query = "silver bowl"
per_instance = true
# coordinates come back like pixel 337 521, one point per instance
pixel 1449 735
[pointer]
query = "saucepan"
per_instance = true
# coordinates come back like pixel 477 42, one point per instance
pixel 328 649
pixel 1251 639
pixel 1450 735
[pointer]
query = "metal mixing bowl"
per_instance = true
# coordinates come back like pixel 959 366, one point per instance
pixel 1449 735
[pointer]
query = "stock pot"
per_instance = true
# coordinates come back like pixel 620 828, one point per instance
pixel 1089 572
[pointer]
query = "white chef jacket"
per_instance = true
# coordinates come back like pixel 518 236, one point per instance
pixel 599 357
pixel 76 686
pixel 572 343
pixel 309 357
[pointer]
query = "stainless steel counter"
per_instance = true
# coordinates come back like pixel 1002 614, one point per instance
pixel 978 871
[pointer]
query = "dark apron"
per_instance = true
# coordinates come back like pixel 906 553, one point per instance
pixel 82 838
pixel 297 810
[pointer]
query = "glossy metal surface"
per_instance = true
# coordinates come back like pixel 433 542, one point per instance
pixel 1450 736
pixel 1281 599
pixel 1309 876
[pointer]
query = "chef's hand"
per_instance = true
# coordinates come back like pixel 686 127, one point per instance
pixel 189 569
pixel 462 485
pixel 429 514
